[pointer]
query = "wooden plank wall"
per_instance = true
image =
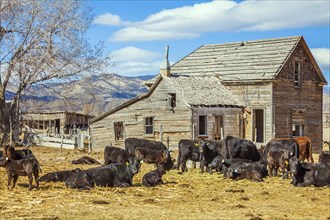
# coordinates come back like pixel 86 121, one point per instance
pixel 255 96
pixel 307 98
pixel 175 125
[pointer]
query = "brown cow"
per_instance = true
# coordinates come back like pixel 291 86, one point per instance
pixel 305 149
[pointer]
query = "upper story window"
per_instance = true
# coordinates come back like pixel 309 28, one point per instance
pixel 297 130
pixel 297 74
pixel 202 125
pixel 171 100
pixel 149 125
pixel 119 130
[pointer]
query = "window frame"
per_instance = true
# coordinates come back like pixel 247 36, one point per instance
pixel 204 124
pixel 171 100
pixel 119 135
pixel 151 125
pixel 297 73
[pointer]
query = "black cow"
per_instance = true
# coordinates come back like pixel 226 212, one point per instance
pixel 24 167
pixel 116 174
pixel 115 155
pixel 236 147
pixel 244 169
pixel 210 150
pixel 86 160
pixel 187 150
pixel 154 177
pixel 169 162
pixel 157 157
pixel 132 143
pixel 216 164
pixel 59 176
pixel 289 145
pixel 307 174
pixel 324 157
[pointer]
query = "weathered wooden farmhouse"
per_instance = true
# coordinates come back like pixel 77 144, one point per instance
pixel 277 81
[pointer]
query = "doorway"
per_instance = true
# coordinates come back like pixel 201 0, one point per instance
pixel 218 127
pixel 258 125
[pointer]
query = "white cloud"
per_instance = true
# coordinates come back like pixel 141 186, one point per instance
pixel 215 16
pixel 133 61
pixel 109 20
pixel 322 56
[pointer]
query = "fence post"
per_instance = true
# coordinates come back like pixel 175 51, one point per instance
pixel 62 136
pixel 168 142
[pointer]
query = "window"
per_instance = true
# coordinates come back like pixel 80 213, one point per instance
pixel 202 125
pixel 119 130
pixel 297 74
pixel 297 130
pixel 149 125
pixel 171 100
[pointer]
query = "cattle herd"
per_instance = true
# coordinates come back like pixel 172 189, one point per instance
pixel 234 157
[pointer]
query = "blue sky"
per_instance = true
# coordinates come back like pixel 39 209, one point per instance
pixel 135 33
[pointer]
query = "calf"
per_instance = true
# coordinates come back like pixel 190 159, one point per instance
pixel 59 176
pixel 116 174
pixel 210 149
pixel 244 169
pixel 86 160
pixel 154 177
pixel 307 174
pixel 23 167
pixel 115 155
pixel 324 157
pixel 132 143
pixel 157 157
pixel 187 150
pixel 278 159
pixel 216 163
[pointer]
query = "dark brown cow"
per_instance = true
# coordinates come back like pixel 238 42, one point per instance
pixel 24 167
pixel 157 157
pixel 86 160
pixel 278 159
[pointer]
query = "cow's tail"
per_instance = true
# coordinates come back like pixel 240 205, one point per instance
pixel 310 154
pixel 179 156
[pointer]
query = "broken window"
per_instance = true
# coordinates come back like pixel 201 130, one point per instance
pixel 171 100
pixel 149 125
pixel 297 74
pixel 297 130
pixel 119 130
pixel 202 125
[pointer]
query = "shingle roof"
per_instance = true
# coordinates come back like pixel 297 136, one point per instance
pixel 248 60
pixel 202 91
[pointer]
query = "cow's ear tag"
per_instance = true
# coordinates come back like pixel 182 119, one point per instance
pixel 7 158
pixel 127 163
pixel 196 144
pixel 223 160
pixel 291 153
pixel 141 161
pixel 286 162
pixel 208 144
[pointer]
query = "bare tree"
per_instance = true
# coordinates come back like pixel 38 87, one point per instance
pixel 42 42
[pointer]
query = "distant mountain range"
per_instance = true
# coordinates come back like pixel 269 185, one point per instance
pixel 97 92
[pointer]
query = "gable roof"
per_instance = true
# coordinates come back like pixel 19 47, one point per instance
pixel 241 61
pixel 206 91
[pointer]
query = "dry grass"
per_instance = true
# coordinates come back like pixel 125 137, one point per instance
pixel 184 196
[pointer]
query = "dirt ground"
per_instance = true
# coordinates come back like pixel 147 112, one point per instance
pixel 190 195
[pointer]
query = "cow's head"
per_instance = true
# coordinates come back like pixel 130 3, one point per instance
pixel 134 164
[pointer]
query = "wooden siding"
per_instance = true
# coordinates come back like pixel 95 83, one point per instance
pixel 231 117
pixel 255 96
pixel 167 123
pixel 288 99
